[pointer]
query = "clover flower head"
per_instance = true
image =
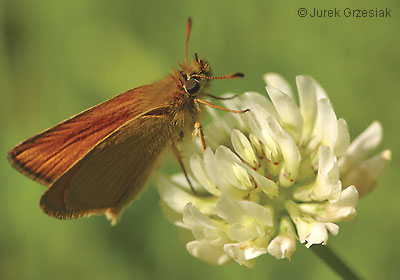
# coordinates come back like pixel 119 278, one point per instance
pixel 279 173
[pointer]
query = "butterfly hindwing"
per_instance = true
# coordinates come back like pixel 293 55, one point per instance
pixel 112 173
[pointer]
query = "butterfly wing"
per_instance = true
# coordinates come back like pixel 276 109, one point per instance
pixel 49 154
pixel 114 171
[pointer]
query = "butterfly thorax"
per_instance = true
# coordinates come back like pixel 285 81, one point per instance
pixel 191 82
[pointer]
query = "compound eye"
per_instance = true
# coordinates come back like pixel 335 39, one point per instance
pixel 192 86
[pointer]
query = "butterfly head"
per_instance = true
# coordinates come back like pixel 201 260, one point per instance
pixel 195 76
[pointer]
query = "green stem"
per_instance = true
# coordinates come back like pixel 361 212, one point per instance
pixel 334 261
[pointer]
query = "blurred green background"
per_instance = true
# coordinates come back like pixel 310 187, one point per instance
pixel 60 57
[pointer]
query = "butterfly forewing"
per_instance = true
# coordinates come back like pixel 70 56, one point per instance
pixel 49 154
pixel 112 172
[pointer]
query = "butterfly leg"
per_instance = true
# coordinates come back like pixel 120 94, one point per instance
pixel 179 158
pixel 220 98
pixel 198 126
pixel 209 104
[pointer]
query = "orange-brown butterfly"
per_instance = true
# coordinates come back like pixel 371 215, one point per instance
pixel 98 160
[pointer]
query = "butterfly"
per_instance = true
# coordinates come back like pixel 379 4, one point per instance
pixel 99 160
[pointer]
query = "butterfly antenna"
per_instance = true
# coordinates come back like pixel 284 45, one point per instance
pixel 229 76
pixel 188 26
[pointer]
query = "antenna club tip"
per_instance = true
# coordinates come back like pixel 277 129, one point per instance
pixel 238 75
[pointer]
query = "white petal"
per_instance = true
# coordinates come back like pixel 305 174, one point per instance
pixel 256 144
pixel 318 235
pixel 171 215
pixel 320 91
pixel 243 252
pixel 217 132
pixel 233 103
pixel 289 150
pixel 235 120
pixel 302 222
pixel 308 229
pixel 200 173
pixel 327 184
pixel 230 211
pixel 192 217
pixel 308 104
pixel 316 134
pixel 284 244
pixel 258 123
pixel 262 215
pixel 218 177
pixel 242 232
pixel 211 254
pixel 342 209
pixel 241 175
pixel 260 128
pixel 365 176
pixel 248 219
pixel 180 180
pixel 243 147
pixel 278 82
pixel 360 147
pixel 288 111
pixel 304 193
pixel 268 186
pixel 332 228
pixel 229 168
pixel 286 227
pixel 203 227
pixel 173 196
pixel 215 237
pixel 211 166
pixel 343 139
pixel 258 103
pixel 329 123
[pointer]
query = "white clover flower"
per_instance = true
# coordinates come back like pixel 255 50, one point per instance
pixel 277 174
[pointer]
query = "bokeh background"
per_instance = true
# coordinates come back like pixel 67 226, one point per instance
pixel 60 57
